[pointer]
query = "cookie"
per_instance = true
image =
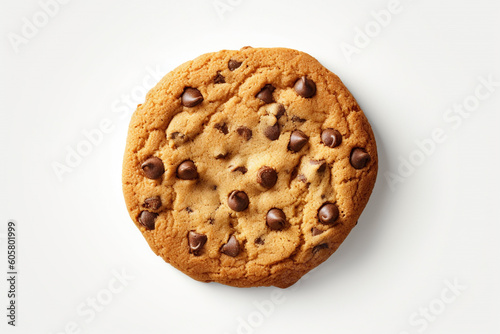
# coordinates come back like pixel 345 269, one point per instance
pixel 249 167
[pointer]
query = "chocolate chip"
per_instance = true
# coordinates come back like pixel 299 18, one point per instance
pixel 259 241
pixel 359 158
pixel 331 137
pixel 222 127
pixel 153 203
pixel 272 132
pixel 233 64
pixel 276 219
pixel 319 247
pixel 241 169
pixel 245 132
pixel 196 242
pixel 178 138
pixel 147 219
pixel 281 111
pixel 267 177
pixel 219 78
pixel 298 139
pixel 302 178
pixel 222 156
pixel 237 200
pixel 305 87
pixel 214 187
pixel 191 97
pixel 187 170
pixel 153 168
pixel 232 248
pixel 266 94
pixel 322 165
pixel 328 213
pixel 177 135
pixel 188 209
pixel 315 231
pixel 298 119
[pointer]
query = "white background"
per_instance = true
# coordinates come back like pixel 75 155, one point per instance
pixel 438 223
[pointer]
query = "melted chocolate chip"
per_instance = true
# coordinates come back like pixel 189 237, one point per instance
pixel 153 168
pixel 177 135
pixel 266 94
pixel 196 242
pixel 331 137
pixel 305 87
pixel 281 111
pixel 359 158
pixel 187 170
pixel 147 219
pixel 328 213
pixel 272 132
pixel 178 138
pixel 153 203
pixel 276 219
pixel 267 177
pixel 219 78
pixel 222 127
pixel 245 132
pixel 238 200
pixel 319 247
pixel 322 165
pixel 298 119
pixel 241 169
pixel 298 139
pixel 233 64
pixel 315 231
pixel 191 97
pixel 259 241
pixel 232 248
pixel 222 156
pixel 188 209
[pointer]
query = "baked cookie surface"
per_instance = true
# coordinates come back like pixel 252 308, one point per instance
pixel 248 167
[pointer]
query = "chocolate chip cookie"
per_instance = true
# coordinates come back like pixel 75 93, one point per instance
pixel 248 167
